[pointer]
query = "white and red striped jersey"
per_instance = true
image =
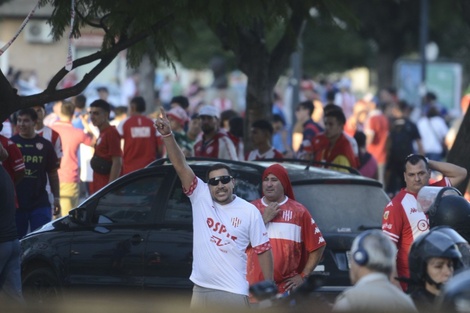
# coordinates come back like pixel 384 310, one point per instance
pixel 220 147
pixel 53 136
pixel 270 154
pixel 403 223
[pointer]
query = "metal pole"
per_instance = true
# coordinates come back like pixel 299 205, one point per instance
pixel 423 40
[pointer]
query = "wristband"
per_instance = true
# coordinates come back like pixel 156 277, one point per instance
pixel 168 135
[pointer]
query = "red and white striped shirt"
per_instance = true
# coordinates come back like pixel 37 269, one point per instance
pixel 54 137
pixel 403 223
pixel 220 147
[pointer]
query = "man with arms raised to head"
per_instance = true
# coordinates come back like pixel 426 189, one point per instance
pixel 401 220
pixel 296 240
pixel 224 225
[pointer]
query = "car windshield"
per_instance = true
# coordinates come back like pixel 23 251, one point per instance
pixel 328 204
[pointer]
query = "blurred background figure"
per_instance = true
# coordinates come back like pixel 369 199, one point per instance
pixel 403 135
pixel 377 129
pixel 433 130
pixel 344 98
pixel 281 136
pixel 141 145
pixel 367 163
pixel 357 120
pixel 178 119
pixel 261 134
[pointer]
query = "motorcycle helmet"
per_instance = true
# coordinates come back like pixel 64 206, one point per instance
pixel 433 244
pixel 462 244
pixel 452 211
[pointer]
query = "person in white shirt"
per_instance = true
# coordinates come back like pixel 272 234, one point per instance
pixel 224 226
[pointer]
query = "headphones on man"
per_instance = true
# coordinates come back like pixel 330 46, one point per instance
pixel 360 256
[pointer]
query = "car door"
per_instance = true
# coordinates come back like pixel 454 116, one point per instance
pixel 110 250
pixel 169 253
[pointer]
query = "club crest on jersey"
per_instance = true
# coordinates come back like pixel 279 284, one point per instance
pixel 236 221
pixel 423 225
pixel 209 150
pixel 39 146
pixel 287 215
pixel 386 213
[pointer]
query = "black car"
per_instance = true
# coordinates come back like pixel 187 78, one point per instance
pixel 137 231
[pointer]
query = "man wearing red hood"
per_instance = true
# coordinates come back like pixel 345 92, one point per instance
pixel 297 243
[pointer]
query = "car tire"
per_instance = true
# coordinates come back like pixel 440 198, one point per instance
pixel 41 286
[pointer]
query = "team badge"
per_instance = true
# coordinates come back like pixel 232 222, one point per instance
pixel 209 150
pixel 235 221
pixel 386 215
pixel 423 225
pixel 39 146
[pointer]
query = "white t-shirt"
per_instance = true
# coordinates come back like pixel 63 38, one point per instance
pixel 221 235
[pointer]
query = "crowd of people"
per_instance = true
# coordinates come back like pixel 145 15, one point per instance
pixel 240 243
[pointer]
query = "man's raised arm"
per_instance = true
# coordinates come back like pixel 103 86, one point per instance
pixel 176 156
pixel 455 173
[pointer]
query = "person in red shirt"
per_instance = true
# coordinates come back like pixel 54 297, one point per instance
pixel 69 170
pixel 12 160
pixel 141 144
pixel 296 240
pixel 214 143
pixel 261 136
pixel 107 148
pixel 376 130
pixel 402 221
pixel 332 146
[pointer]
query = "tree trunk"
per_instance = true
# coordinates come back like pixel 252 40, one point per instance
pixel 461 149
pixel 258 102
pixel 145 85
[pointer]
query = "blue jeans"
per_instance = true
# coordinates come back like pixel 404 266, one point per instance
pixel 10 270
pixel 33 218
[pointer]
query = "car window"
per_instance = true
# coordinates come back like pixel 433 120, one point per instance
pixel 247 186
pixel 179 206
pixel 130 203
pixel 343 207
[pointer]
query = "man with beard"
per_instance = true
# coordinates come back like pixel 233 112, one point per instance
pixel 297 241
pixel 213 143
pixel 224 226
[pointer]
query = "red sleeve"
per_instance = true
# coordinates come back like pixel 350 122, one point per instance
pixel 311 234
pixel 392 223
pixel 15 157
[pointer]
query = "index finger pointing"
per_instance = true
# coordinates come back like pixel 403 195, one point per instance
pixel 162 113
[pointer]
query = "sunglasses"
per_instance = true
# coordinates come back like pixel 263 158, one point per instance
pixel 214 181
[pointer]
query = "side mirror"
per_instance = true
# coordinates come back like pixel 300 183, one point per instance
pixel 78 215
